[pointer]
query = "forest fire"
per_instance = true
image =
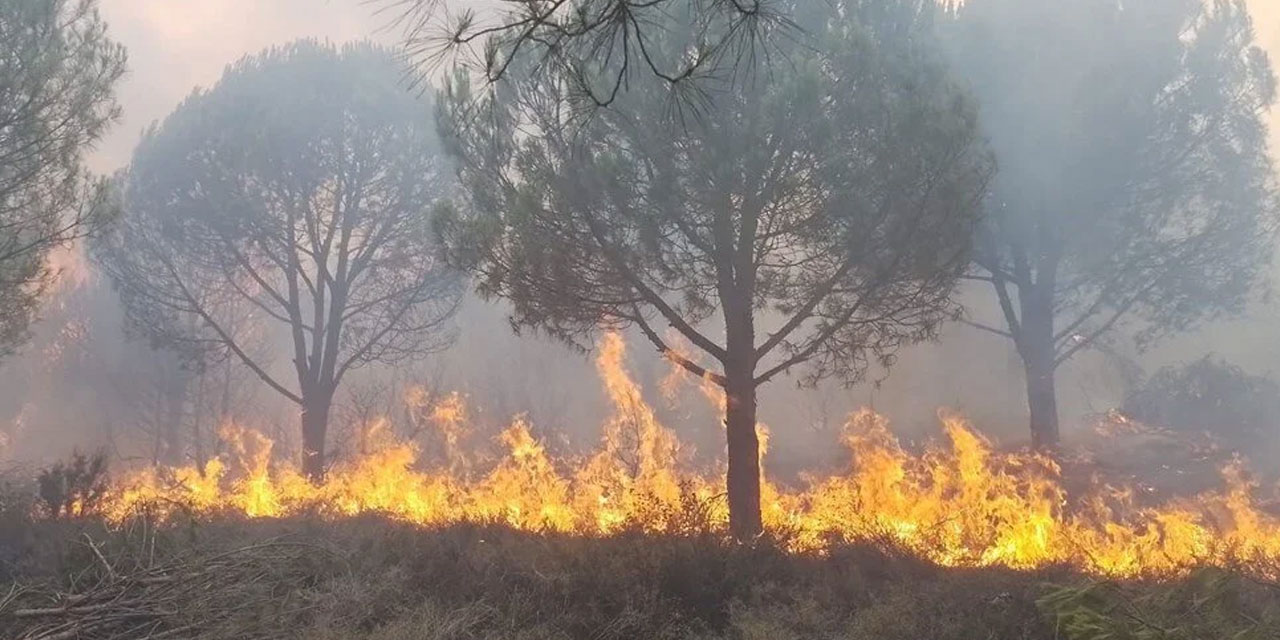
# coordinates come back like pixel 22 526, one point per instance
pixel 291 325
pixel 962 504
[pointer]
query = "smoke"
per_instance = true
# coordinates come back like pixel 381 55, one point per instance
pixel 1266 21
pixel 175 47
pixel 1249 340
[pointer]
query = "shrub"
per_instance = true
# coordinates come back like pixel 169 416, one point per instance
pixel 1212 395
pixel 74 488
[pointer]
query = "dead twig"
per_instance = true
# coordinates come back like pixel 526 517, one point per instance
pixel 129 594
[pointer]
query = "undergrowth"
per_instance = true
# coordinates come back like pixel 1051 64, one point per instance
pixel 371 578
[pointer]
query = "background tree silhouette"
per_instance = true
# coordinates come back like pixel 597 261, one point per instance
pixel 1134 178
pixel 296 191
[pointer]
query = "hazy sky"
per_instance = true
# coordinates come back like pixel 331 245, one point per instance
pixel 176 45
pixel 1267 22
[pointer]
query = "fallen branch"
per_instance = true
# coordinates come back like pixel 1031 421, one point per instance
pixel 133 596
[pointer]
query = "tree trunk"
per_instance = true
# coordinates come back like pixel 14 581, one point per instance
pixel 224 408
pixel 1037 350
pixel 744 459
pixel 174 398
pixel 315 422
pixel 1043 402
pixel 197 432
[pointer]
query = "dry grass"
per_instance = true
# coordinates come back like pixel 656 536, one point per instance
pixel 374 579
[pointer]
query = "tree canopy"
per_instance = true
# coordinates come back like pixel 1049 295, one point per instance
pixel 817 213
pixel 58 71
pixel 598 46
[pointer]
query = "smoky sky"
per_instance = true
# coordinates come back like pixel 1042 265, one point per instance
pixel 177 45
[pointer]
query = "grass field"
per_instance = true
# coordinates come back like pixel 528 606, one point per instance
pixel 368 577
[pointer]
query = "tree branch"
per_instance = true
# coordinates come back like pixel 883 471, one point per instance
pixel 675 356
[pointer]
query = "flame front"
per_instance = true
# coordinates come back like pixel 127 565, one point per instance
pixel 959 504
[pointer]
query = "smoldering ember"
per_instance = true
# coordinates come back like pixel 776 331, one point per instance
pixel 715 319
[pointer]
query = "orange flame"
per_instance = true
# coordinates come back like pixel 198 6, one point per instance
pixel 959 504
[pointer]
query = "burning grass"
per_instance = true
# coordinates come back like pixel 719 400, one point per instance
pixel 959 504
pixel 958 541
